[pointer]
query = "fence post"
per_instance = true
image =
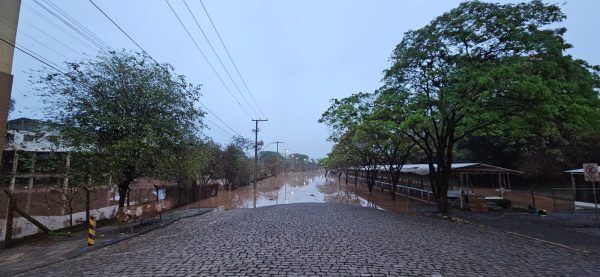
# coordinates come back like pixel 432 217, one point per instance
pixel 595 202
pixel 533 199
pixel 87 204
pixel 554 200
pixel 9 221
pixel 157 201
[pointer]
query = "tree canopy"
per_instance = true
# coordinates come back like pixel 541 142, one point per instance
pixel 481 70
pixel 127 109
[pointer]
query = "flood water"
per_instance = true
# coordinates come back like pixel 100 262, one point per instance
pixel 304 187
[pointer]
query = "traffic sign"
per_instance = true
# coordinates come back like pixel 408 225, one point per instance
pixel 590 172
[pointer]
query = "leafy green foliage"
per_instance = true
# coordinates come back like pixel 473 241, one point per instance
pixel 237 167
pixel 135 115
pixel 271 161
pixel 490 73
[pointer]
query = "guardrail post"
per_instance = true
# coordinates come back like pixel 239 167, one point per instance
pixel 87 204
pixel 91 239
pixel 554 200
pixel 595 203
pixel 12 203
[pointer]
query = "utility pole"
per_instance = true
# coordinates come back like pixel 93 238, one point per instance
pixel 256 130
pixel 285 162
pixel 276 169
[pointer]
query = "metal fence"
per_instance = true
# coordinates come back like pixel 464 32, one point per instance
pixel 57 209
pixel 402 190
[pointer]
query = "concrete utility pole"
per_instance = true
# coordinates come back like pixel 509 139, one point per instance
pixel 285 162
pixel 9 12
pixel 256 130
pixel 277 142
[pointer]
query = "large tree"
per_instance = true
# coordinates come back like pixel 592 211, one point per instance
pixel 237 167
pixel 130 111
pixel 477 67
pixel 353 148
pixel 383 128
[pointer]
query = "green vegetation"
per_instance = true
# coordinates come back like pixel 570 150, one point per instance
pixel 125 116
pixel 481 74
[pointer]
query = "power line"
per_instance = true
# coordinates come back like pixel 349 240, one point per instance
pixel 52 65
pixel 230 58
pixel 55 67
pixel 74 28
pixel 122 31
pixel 221 120
pixel 256 130
pixel 219 58
pixel 53 38
pixel 145 52
pixel 235 65
pixel 35 40
pixel 34 55
pixel 57 26
pixel 206 58
pixel 223 131
pixel 74 21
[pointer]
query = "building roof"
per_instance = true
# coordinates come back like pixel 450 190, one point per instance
pixel 423 169
pixel 577 171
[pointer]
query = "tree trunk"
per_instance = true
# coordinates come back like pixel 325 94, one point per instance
pixel 442 180
pixel 123 187
pixel 70 215
pixel 370 180
pixel 355 177
pixel 393 184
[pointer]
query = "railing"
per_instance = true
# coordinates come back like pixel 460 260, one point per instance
pixel 585 198
pixel 402 190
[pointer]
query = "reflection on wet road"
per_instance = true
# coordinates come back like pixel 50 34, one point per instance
pixel 303 187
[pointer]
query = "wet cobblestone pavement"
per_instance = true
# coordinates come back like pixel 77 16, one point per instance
pixel 325 240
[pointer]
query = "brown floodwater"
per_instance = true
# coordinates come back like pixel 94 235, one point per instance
pixel 304 187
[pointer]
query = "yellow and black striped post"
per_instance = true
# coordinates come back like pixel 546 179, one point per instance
pixel 91 231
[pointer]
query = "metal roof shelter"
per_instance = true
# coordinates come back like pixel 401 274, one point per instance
pixel 464 172
pixel 475 168
pixel 583 195
pixel 577 171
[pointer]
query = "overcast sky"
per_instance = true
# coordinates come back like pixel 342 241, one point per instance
pixel 294 55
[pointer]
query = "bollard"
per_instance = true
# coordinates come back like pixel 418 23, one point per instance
pixel 91 231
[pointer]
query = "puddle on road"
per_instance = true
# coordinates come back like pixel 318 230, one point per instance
pixel 303 187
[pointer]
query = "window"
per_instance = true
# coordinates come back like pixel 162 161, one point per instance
pixel 28 138
pixel 10 137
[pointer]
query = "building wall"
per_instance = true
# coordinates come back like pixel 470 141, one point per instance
pixel 9 12
pixel 43 203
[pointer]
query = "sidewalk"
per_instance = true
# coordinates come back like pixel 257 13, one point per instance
pixel 571 230
pixel 38 253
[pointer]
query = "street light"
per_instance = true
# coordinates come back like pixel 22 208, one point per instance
pixel 285 165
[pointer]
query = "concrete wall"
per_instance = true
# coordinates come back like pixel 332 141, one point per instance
pixel 9 12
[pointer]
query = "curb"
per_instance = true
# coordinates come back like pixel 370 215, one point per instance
pixel 83 251
pixel 461 220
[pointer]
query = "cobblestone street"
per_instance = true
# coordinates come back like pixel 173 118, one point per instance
pixel 326 240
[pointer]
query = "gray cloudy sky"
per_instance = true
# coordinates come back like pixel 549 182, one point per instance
pixel 294 55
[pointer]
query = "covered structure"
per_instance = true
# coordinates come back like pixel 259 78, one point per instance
pixel 500 176
pixel 585 194
pixel 414 182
